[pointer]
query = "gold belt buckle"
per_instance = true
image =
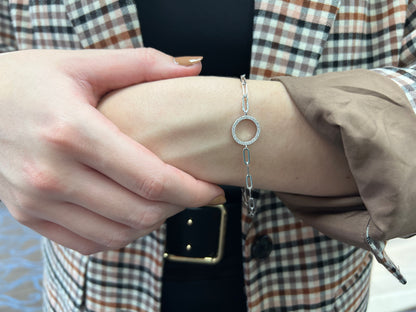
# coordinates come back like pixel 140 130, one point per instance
pixel 221 242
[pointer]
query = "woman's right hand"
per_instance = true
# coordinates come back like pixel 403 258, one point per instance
pixel 69 173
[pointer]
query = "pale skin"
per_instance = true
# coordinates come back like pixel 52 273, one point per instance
pixel 187 123
pixel 74 176
pixel 69 173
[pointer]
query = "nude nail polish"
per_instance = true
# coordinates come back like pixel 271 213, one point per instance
pixel 187 60
pixel 220 200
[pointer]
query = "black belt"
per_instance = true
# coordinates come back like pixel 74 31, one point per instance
pixel 190 285
pixel 199 235
pixel 203 237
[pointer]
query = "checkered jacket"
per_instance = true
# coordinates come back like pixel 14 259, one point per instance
pixel 306 270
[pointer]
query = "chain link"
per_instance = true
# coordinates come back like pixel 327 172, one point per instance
pixel 247 194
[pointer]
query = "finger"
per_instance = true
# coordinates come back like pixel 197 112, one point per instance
pixel 103 196
pixel 93 227
pixel 81 230
pixel 106 70
pixel 65 237
pixel 143 173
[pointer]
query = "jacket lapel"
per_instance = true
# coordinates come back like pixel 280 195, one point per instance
pixel 289 36
pixel 105 23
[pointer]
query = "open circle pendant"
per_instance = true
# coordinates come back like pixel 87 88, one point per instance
pixel 240 119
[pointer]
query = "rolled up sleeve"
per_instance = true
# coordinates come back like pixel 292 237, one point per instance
pixel 370 118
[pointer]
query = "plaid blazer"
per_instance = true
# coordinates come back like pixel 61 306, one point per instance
pixel 306 270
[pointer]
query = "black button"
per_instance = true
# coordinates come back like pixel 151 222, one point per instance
pixel 262 247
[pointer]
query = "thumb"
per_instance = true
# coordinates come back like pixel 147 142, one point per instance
pixel 107 70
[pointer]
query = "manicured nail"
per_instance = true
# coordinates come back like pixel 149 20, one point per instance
pixel 187 60
pixel 220 200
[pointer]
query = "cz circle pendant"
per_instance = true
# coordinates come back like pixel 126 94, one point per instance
pixel 240 119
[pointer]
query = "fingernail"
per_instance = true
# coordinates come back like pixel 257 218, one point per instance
pixel 187 60
pixel 220 200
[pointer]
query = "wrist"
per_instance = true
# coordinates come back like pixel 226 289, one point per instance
pixel 204 144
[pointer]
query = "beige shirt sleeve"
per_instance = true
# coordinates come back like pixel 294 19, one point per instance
pixel 369 117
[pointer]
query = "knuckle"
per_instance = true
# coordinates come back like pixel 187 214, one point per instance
pixel 83 82
pixel 146 219
pixel 21 216
pixel 61 133
pixel 118 239
pixel 152 187
pixel 41 179
pixel 21 202
pixel 149 55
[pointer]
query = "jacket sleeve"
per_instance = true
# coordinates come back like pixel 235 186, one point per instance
pixel 7 38
pixel 370 114
pixel 370 118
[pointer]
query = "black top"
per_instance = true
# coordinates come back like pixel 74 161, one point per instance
pixel 220 31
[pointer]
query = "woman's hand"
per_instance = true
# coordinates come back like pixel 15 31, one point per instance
pixel 187 122
pixel 69 173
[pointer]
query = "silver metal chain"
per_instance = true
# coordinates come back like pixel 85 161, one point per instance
pixel 247 194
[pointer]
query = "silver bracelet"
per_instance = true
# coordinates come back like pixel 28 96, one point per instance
pixel 247 196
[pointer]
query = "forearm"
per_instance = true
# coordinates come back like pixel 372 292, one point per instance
pixel 187 122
